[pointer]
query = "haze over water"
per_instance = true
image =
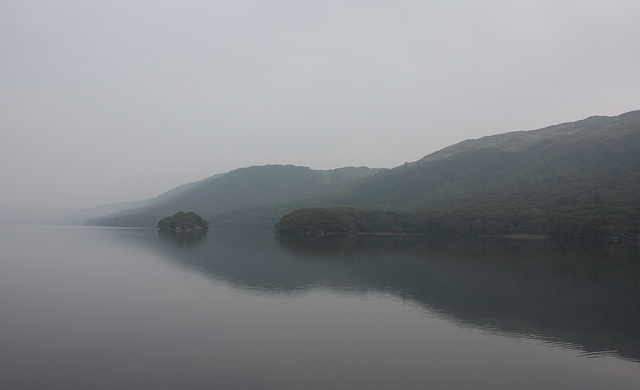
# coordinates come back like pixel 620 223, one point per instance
pixel 133 308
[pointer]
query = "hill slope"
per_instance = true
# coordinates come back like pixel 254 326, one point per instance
pixel 595 158
pixel 566 180
pixel 591 128
pixel 574 179
pixel 240 189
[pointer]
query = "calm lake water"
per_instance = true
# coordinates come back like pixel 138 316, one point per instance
pixel 87 308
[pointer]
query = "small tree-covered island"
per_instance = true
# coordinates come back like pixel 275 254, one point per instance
pixel 183 222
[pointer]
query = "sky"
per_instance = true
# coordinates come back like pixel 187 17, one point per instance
pixel 110 101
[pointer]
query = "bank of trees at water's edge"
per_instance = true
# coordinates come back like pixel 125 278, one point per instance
pixel 591 222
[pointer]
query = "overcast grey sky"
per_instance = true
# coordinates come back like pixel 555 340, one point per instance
pixel 105 101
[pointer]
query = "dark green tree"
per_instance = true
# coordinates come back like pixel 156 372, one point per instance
pixel 182 221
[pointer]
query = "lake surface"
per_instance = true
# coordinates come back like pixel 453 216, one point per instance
pixel 137 309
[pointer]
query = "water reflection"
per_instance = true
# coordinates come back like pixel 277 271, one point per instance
pixel 571 294
pixel 181 238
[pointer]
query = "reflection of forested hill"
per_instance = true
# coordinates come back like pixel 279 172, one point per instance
pixel 584 296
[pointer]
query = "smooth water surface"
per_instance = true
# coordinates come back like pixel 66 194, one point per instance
pixel 137 309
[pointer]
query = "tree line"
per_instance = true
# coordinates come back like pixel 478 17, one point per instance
pixel 586 221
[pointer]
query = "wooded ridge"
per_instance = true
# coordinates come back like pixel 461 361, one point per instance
pixel 578 179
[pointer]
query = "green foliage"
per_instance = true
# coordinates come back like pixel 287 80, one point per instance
pixel 591 221
pixel 579 180
pixel 182 221
pixel 349 220
pixel 317 220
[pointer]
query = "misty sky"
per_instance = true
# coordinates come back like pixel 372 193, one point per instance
pixel 106 101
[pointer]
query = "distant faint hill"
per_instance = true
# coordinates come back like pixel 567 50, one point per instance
pixel 240 189
pixel 82 216
pixel 568 179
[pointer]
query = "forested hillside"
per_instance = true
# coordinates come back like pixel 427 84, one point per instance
pixel 242 189
pixel 579 179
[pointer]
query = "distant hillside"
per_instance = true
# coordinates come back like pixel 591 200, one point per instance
pixel 574 179
pixel 93 216
pixel 592 128
pixel 241 189
pixel 594 158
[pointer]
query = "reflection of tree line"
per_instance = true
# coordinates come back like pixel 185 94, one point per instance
pixel 315 244
pixel 182 238
pixel 588 296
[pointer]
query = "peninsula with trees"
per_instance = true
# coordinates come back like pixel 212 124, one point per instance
pixel 189 222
